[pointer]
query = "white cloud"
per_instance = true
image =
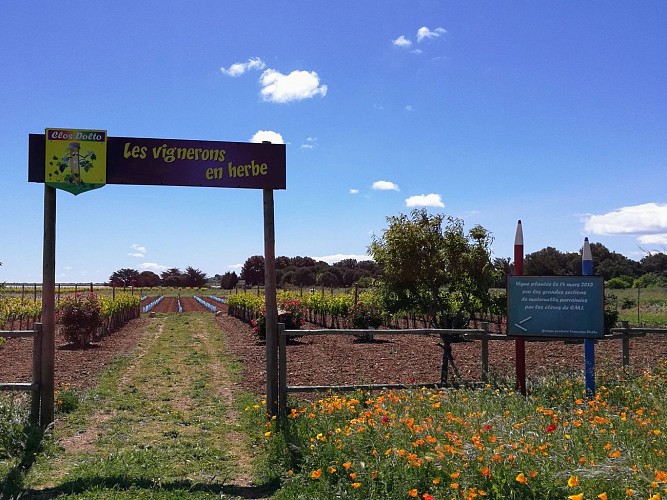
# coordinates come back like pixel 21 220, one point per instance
pixel 425 200
pixel 653 239
pixel 138 250
pixel 297 86
pixel 401 41
pixel 385 186
pixel 354 191
pixel 310 143
pixel 424 33
pixel 332 259
pixel 409 108
pixel 235 267
pixel 152 266
pixel 267 135
pixel 648 218
pixel 238 69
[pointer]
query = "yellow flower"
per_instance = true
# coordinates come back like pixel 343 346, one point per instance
pixel 630 492
pixel 267 433
pixel 332 470
pixel 356 485
pixel 573 481
pixel 347 465
pixel 579 496
pixel 521 478
pixel 413 492
pixel 316 474
pixel 455 475
pixel 603 496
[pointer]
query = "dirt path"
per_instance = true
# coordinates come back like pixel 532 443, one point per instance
pixel 175 398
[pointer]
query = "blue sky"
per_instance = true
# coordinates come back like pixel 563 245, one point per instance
pixel 550 112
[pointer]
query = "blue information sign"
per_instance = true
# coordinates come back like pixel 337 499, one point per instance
pixel 556 306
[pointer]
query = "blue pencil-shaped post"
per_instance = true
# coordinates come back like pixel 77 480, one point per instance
pixel 589 344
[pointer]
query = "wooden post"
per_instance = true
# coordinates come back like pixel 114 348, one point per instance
pixel 271 305
pixel 36 399
pixel 485 353
pixel 626 344
pixel 47 372
pixel 282 370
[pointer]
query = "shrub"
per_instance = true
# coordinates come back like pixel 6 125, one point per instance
pixel 363 315
pixel 80 317
pixel 649 280
pixel 290 312
pixel 620 283
pixel 628 303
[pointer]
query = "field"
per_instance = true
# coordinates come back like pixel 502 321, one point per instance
pixel 170 407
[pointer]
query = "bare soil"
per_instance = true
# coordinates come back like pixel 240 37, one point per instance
pixel 332 360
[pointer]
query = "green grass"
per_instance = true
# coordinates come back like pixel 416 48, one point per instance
pixel 641 307
pixel 161 424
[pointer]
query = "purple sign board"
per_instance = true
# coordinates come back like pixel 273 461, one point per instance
pixel 177 162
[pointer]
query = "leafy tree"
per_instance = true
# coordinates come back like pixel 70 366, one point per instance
pixel 285 277
pixel 253 270
pixel 370 266
pixel 439 272
pixel 612 264
pixel 283 262
pixel 194 277
pixel 504 267
pixel 124 277
pixel 148 279
pixel 229 280
pixel 552 262
pixel 327 279
pixel 299 261
pixel 655 263
pixel 172 277
pixel 304 276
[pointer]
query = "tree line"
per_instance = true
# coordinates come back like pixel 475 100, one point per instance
pixel 290 271
pixel 172 277
pixel 618 270
pixel 305 272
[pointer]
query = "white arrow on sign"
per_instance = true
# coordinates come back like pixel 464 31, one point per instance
pixel 518 325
